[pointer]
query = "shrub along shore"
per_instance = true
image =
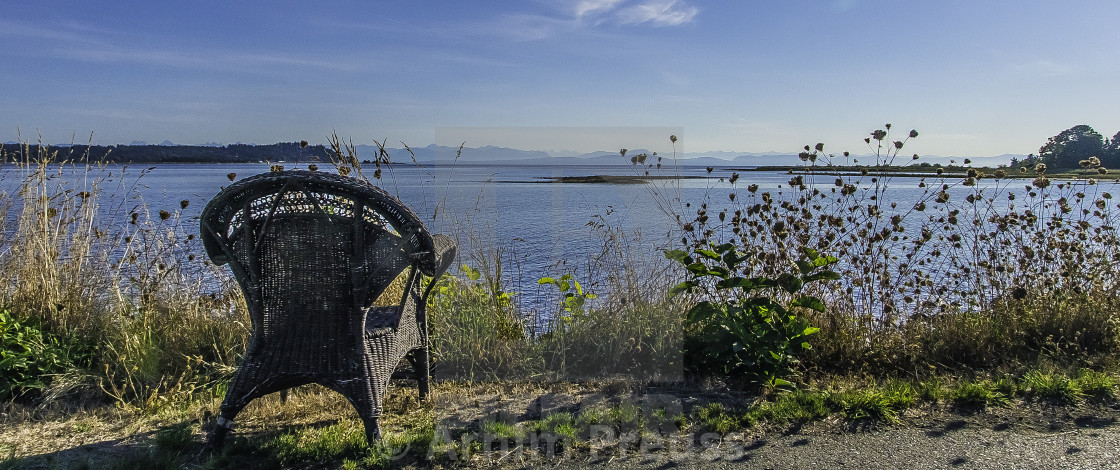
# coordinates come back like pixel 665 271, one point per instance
pixel 804 302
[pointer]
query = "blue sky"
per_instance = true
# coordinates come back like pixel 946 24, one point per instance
pixel 974 77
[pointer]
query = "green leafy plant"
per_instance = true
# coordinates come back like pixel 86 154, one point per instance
pixel 572 295
pixel 481 333
pixel 27 356
pixel 737 333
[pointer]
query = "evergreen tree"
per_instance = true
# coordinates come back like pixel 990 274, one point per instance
pixel 1111 157
pixel 1064 151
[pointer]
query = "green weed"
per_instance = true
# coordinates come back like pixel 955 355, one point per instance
pixel 1052 386
pixel 977 393
pixel 493 429
pixel 797 406
pixel 713 417
pixel 1096 384
pixel 866 404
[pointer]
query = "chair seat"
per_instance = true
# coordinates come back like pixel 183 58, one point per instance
pixel 382 320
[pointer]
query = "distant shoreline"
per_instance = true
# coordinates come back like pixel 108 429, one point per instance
pixel 293 155
pixel 913 171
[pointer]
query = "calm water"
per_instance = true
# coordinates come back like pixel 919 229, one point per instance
pixel 542 226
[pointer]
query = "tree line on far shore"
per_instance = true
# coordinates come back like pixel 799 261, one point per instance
pixel 1075 147
pixel 234 153
pixel 1072 148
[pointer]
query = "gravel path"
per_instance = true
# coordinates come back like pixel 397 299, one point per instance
pixel 895 448
pixel 1028 436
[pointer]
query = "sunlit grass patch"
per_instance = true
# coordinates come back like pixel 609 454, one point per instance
pixel 979 393
pixel 932 389
pixel 797 406
pixel 494 429
pixel 714 417
pixel 1052 386
pixel 868 404
pixel 1096 384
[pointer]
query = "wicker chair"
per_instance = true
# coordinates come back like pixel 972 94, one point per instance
pixel 311 251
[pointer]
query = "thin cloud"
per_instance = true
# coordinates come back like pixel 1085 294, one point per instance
pixel 202 59
pixel 582 15
pixel 1043 67
pixel 659 13
pixel 585 7
pixel 526 27
pixel 69 32
pixel 75 41
pixel 843 5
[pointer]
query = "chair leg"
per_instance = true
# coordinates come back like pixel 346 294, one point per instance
pixel 419 359
pixel 365 396
pixel 218 434
pixel 373 430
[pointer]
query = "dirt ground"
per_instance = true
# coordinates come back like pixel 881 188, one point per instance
pixel 1021 435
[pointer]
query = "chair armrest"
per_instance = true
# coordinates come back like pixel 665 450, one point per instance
pixel 444 253
pixel 434 263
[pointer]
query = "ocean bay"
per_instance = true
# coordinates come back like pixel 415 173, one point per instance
pixel 540 225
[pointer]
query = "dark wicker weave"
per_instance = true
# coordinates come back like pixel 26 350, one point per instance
pixel 311 251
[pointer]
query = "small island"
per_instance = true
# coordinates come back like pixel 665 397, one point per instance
pixel 609 179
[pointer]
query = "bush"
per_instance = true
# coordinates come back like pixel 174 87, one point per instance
pixel 28 356
pixel 732 333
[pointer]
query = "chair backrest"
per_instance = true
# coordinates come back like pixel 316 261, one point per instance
pixel 310 251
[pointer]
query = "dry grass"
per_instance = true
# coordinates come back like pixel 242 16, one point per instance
pixel 121 284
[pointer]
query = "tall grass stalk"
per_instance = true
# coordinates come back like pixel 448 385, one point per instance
pixel 123 286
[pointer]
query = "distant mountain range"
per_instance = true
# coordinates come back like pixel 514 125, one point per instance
pixel 166 151
pixel 489 155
